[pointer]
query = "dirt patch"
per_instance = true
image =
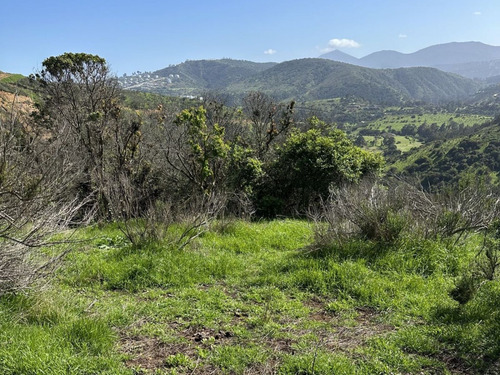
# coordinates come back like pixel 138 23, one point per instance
pixel 346 338
pixel 22 104
pixel 205 335
pixel 150 353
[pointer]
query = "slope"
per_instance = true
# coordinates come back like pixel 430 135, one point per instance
pixel 316 79
pixel 214 74
pixel 451 160
pixel 469 59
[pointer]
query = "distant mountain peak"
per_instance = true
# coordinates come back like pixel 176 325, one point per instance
pixel 337 55
pixel 449 57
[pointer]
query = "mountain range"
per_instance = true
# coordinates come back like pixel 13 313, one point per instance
pixel 304 80
pixel 316 79
pixel 469 59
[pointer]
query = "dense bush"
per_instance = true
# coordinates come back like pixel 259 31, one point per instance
pixel 309 163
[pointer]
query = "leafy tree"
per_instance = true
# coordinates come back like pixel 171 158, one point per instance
pixel 309 163
pixel 389 147
pixel 195 151
pixel 360 141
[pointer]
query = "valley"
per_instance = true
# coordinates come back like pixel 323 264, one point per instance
pixel 231 217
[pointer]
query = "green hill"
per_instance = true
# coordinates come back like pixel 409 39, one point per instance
pixel 449 161
pixel 316 79
pixel 304 80
pixel 193 78
pixel 214 74
pixel 432 85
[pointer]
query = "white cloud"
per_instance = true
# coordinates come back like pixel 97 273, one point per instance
pixel 339 43
pixel 402 36
pixel 477 13
pixel 343 43
pixel 270 51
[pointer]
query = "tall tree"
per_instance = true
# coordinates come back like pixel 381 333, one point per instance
pixel 81 103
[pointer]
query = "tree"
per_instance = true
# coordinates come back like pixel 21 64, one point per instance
pixel 80 103
pixel 268 120
pixel 309 163
pixel 196 152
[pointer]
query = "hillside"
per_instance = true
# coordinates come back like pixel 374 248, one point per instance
pixel 214 74
pixel 303 79
pixel 15 91
pixel 451 160
pixel 441 54
pixel 194 77
pixel 316 79
pixel 469 59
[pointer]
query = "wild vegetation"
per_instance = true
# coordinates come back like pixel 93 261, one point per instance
pixel 135 234
pixel 304 80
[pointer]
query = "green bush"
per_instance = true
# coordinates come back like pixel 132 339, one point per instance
pixel 310 162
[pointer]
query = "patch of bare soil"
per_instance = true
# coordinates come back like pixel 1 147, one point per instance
pixel 19 103
pixel 345 338
pixel 149 353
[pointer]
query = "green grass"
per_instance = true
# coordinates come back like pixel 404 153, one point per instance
pixel 251 298
pixel 13 78
pixel 396 122
pixel 406 143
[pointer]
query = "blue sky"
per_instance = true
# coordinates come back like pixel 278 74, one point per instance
pixel 150 35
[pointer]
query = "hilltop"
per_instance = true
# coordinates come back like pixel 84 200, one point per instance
pixel 315 79
pixel 469 59
pixel 304 79
pixel 193 77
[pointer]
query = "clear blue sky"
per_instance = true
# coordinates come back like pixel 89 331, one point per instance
pixel 148 35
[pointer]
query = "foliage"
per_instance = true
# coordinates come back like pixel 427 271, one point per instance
pixel 204 162
pixel 386 210
pixel 447 162
pixel 246 169
pixel 245 300
pixel 309 163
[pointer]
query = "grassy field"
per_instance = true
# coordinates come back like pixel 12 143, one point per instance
pixel 10 78
pixel 253 298
pixel 396 122
pixel 403 143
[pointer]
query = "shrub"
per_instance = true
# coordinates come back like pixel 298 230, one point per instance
pixel 310 162
pixel 381 211
pixel 369 210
